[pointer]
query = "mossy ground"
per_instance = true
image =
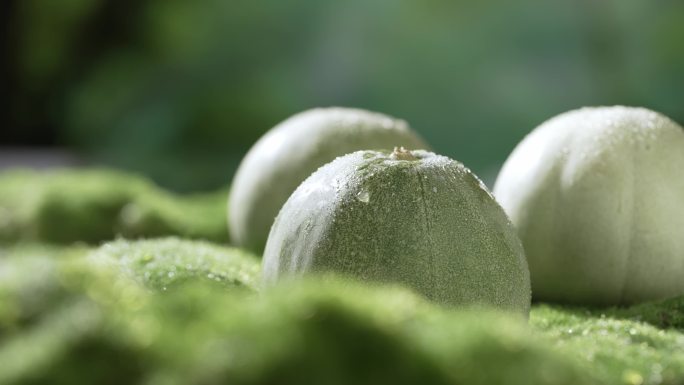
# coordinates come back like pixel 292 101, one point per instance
pixel 162 264
pixel 65 322
pixel 59 305
pixel 89 314
pixel 613 345
pixel 67 206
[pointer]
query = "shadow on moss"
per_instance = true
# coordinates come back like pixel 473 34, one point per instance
pixel 664 314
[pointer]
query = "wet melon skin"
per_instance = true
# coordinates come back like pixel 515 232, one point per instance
pixel 414 218
pixel 291 151
pixel 597 196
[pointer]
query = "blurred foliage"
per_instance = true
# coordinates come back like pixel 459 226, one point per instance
pixel 180 90
pixel 91 205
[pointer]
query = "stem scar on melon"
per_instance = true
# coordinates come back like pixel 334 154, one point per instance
pixel 408 217
pixel 400 153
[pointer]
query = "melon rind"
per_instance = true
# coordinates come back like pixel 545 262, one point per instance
pixel 428 223
pixel 291 151
pixel 597 196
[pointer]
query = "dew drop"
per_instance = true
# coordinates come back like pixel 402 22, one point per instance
pixel 363 196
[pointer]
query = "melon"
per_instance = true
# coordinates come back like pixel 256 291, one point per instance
pixel 597 196
pixel 409 217
pixel 291 151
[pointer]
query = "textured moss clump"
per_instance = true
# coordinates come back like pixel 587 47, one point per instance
pixel 313 333
pixel 71 316
pixel 68 206
pixel 664 314
pixel 163 263
pixel 29 284
pixel 64 322
pixel 99 326
pixel 615 344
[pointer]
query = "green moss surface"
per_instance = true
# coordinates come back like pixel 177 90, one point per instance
pixel 71 315
pixel 107 328
pixel 66 206
pixel 667 313
pixel 57 320
pixel 613 345
pixel 315 333
pixel 29 282
pixel 160 264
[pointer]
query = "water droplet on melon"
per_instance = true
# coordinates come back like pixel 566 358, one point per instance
pixel 363 196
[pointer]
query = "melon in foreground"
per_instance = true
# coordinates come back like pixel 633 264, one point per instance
pixel 597 196
pixel 291 151
pixel 408 217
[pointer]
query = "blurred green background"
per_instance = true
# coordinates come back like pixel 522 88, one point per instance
pixel 179 90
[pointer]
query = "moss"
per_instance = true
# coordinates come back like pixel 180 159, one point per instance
pixel 69 316
pixel 28 283
pixel 311 333
pixel 160 264
pixel 67 206
pixel 664 314
pixel 65 319
pixel 109 329
pixel 613 345
pixel 78 326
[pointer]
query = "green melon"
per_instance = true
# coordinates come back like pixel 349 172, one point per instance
pixel 597 196
pixel 291 151
pixel 411 217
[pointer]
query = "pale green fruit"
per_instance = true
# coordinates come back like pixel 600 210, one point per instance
pixel 597 196
pixel 291 151
pixel 410 217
